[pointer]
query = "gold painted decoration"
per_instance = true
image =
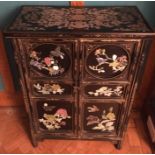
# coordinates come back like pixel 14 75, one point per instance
pixel 107 91
pixel 46 89
pixel 113 19
pixel 106 122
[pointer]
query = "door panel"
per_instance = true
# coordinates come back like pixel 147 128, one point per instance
pixel 100 117
pixel 47 58
pixel 106 77
pixel 55 116
pixel 108 59
pixel 109 91
pixel 58 89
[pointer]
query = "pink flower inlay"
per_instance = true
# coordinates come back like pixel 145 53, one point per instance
pixel 47 61
pixel 62 112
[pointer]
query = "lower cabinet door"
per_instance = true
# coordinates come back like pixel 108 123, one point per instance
pixel 55 116
pixel 100 118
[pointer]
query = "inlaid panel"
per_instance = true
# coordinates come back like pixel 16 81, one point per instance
pixel 107 61
pixel 49 59
pixel 100 117
pixel 104 91
pixel 55 116
pixel 50 88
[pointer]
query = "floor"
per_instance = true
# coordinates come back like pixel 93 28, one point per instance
pixel 14 138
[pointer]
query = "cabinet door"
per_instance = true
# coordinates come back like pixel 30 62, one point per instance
pixel 50 74
pixel 56 117
pixel 108 67
pixel 48 58
pixel 109 59
pixel 100 118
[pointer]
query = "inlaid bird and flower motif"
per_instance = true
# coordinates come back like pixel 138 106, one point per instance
pixel 99 119
pixel 49 59
pixel 116 63
pixel 107 61
pixel 54 118
pixel 106 91
pixel 47 88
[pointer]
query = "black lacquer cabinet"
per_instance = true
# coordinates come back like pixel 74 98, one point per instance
pixel 79 68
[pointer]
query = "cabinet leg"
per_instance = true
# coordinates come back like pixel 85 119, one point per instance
pixel 34 139
pixel 118 145
pixel 34 142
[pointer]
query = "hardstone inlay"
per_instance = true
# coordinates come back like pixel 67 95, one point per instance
pixel 55 115
pixel 49 59
pixel 107 91
pixel 100 117
pixel 107 61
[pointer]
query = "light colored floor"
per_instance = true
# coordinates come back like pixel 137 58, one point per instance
pixel 14 138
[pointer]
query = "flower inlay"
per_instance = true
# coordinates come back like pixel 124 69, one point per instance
pixel 56 120
pixel 49 59
pixel 48 88
pixel 107 91
pixel 107 61
pixel 106 122
pixel 115 62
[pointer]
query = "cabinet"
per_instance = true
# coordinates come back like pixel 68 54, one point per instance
pixel 79 68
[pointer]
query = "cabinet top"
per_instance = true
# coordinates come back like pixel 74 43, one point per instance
pixel 126 19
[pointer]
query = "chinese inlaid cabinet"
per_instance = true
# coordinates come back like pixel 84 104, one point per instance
pixel 79 69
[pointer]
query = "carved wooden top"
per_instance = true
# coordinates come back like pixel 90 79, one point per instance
pixel 65 19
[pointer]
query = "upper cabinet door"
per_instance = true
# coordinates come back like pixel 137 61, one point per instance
pixel 108 59
pixel 48 58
